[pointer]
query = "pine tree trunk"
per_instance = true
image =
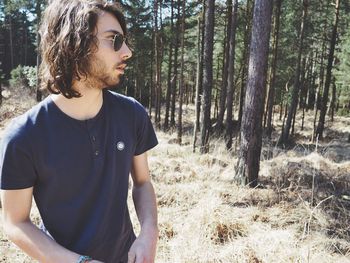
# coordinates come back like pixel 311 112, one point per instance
pixel 295 92
pixel 159 67
pixel 302 82
pixel 303 91
pixel 198 75
pixel 168 91
pixel 308 81
pixel 271 94
pixel 151 87
pixel 249 155
pixel 319 89
pixel 230 84
pixel 333 100
pixel 293 121
pixel 173 89
pixel 11 43
pixel 157 62
pixel 217 90
pixel 320 126
pixel 281 105
pixel 247 32
pixel 223 93
pixel 207 74
pixel 284 108
pixel 182 83
pixel 312 89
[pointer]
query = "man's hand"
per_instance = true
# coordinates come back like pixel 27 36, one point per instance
pixel 143 250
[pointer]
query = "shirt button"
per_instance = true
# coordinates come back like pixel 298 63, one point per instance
pixel 97 153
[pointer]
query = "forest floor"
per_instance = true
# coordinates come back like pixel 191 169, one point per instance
pixel 299 213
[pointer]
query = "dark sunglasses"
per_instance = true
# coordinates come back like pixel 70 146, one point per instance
pixel 118 41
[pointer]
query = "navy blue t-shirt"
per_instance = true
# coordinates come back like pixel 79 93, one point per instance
pixel 79 171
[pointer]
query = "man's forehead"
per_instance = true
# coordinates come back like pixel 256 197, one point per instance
pixel 108 23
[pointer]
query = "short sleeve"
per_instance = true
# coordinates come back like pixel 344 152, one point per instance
pixel 146 137
pixel 16 165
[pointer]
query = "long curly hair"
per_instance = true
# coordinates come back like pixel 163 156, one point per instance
pixel 68 39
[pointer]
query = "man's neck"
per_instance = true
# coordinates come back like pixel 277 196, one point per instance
pixel 83 108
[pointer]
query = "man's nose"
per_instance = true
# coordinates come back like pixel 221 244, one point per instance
pixel 125 51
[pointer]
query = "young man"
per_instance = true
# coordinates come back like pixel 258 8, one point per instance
pixel 74 151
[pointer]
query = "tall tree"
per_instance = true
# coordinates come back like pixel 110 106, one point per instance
pixel 323 111
pixel 198 76
pixel 157 61
pixel 181 85
pixel 207 74
pixel 245 60
pixel 223 93
pixel 296 86
pixel 231 71
pixel 168 91
pixel 271 93
pixel 18 43
pixel 173 89
pixel 251 129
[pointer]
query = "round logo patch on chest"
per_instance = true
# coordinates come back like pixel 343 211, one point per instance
pixel 120 146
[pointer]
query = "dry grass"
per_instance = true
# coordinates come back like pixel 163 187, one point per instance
pixel 300 212
pixel 204 217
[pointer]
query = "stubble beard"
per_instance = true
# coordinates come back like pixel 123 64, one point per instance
pixel 99 76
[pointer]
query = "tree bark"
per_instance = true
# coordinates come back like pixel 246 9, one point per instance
pixel 168 91
pixel 182 83
pixel 271 94
pixel 173 89
pixel 247 32
pixel 151 86
pixel 217 89
pixel 319 89
pixel 198 76
pixel 223 93
pixel 333 100
pixel 231 70
pixel 11 43
pixel 249 155
pixel 207 74
pixel 157 62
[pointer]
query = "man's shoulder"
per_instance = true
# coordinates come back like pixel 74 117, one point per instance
pixel 117 98
pixel 126 102
pixel 22 126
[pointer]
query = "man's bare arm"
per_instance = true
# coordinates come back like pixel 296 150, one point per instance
pixel 20 230
pixel 144 248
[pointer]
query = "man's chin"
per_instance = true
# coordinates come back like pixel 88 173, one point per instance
pixel 111 82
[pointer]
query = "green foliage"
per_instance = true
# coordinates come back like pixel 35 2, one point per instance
pixel 343 112
pixel 17 76
pixel 2 76
pixel 342 71
pixel 30 76
pixel 23 75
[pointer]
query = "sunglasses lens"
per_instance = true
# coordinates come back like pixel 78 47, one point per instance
pixel 118 41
